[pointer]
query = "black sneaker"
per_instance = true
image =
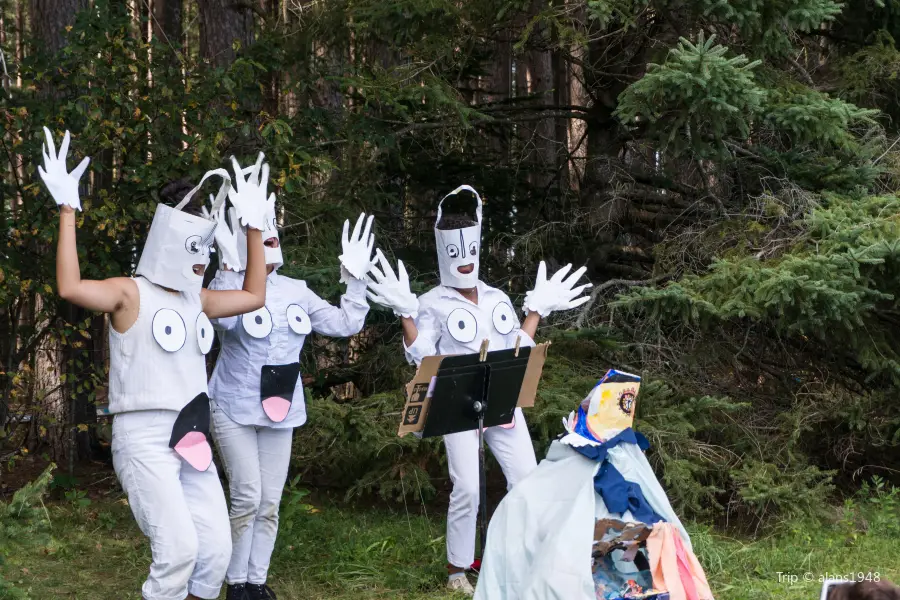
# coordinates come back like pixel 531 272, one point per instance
pixel 256 591
pixel 236 591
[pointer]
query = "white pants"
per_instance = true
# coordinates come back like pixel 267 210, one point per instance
pixel 256 460
pixel 513 450
pixel 180 509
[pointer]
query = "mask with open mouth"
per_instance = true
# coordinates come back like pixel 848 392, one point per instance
pixel 177 241
pixel 459 247
pixel 270 232
pixel 276 389
pixel 190 434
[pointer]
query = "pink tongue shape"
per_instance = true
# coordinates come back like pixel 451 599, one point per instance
pixel 276 408
pixel 195 449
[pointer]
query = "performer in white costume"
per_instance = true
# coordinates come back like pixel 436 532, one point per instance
pixel 159 332
pixel 454 318
pixel 257 390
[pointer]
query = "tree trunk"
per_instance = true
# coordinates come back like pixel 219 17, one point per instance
pixel 534 79
pixel 224 25
pixel 167 22
pixel 49 19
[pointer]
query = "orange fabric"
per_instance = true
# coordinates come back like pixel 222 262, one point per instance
pixel 674 567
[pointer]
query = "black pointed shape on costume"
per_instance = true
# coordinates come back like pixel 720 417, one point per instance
pixel 276 389
pixel 190 434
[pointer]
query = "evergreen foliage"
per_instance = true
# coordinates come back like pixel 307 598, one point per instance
pixel 726 170
pixel 24 519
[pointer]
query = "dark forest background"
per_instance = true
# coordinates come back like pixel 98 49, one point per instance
pixel 726 169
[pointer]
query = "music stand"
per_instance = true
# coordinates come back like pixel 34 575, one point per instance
pixel 474 391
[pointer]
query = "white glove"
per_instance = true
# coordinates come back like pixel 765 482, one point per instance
pixel 357 256
pixel 63 186
pixel 557 293
pixel 391 291
pixel 248 195
pixel 226 239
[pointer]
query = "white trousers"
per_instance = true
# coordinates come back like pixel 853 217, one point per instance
pixel 180 509
pixel 513 450
pixel 256 460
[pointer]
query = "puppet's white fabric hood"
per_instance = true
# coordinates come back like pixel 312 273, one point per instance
pixel 458 247
pixel 177 241
pixel 540 538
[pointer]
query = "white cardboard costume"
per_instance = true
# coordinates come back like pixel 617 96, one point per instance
pixel 448 323
pixel 540 538
pixel 259 399
pixel 157 370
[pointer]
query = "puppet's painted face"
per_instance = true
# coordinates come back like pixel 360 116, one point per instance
pixel 459 250
pixel 176 253
pixel 609 408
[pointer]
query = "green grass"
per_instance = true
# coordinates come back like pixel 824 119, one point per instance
pixel 340 552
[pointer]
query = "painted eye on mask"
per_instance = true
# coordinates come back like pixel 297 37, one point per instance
pixel 193 244
pixel 453 251
pixel 473 249
pixel 258 323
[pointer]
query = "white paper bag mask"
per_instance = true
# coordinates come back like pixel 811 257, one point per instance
pixel 177 241
pixel 458 247
pixel 273 255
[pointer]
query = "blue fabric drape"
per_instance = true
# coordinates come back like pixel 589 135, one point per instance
pixel 619 494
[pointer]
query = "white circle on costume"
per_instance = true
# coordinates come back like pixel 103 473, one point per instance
pixel 504 318
pixel 298 320
pixel 462 325
pixel 205 333
pixel 169 330
pixel 258 323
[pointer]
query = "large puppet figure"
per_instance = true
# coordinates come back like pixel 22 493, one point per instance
pixel 557 535
pixel 257 390
pixel 454 318
pixel 159 332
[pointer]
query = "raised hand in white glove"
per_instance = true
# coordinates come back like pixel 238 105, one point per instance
pixel 62 185
pixel 226 239
pixel 391 291
pixel 557 293
pixel 356 257
pixel 248 194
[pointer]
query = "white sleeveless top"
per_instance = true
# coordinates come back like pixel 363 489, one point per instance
pixel 159 362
